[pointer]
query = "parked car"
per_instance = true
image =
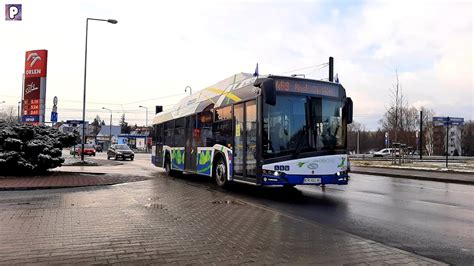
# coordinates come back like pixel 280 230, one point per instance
pixel 98 148
pixel 386 152
pixel 89 149
pixel 120 151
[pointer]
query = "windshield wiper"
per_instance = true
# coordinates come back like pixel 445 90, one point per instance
pixel 299 147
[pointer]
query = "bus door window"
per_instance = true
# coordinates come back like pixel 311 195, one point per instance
pixel 239 139
pixel 223 126
pixel 190 148
pixel 251 138
pixel 204 124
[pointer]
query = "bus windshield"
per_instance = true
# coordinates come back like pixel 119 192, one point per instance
pixel 299 123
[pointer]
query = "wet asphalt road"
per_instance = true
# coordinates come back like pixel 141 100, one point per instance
pixel 431 219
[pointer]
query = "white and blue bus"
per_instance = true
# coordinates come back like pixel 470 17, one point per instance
pixel 266 130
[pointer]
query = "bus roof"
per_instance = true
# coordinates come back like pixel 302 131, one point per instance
pixel 232 89
pixel 236 88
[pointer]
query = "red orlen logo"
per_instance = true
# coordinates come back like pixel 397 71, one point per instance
pixel 35 63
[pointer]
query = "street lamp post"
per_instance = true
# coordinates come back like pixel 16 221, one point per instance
pixel 190 90
pixel 110 127
pixel 146 125
pixel 146 114
pixel 19 120
pixel 113 21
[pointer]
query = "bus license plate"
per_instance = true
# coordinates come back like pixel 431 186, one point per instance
pixel 312 180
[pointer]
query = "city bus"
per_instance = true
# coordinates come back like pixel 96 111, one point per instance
pixel 262 130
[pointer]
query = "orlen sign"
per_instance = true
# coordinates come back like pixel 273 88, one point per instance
pixel 34 87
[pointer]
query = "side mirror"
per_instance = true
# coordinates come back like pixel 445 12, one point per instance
pixel 268 90
pixel 348 110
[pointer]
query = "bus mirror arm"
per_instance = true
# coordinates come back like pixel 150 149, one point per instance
pixel 267 85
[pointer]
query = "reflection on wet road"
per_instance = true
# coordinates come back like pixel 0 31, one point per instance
pixel 428 218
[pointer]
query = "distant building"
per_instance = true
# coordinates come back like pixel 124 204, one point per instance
pixel 138 139
pixel 103 137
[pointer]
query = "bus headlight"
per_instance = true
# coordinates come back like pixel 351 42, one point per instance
pixel 273 173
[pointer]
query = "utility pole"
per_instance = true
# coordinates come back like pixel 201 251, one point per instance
pixel 358 141
pixel 331 69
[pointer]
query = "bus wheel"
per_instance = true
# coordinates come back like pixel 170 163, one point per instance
pixel 220 172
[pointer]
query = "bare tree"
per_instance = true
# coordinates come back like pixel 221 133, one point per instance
pixel 428 133
pixel 9 115
pixel 393 120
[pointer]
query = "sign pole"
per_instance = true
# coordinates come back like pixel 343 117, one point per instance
pixel 447 138
pixel 421 135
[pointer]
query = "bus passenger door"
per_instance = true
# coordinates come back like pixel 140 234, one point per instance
pixel 159 145
pixel 239 139
pixel 190 149
pixel 251 139
pixel 245 140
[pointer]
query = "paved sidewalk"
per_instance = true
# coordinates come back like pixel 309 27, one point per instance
pixel 459 178
pixel 61 180
pixel 165 220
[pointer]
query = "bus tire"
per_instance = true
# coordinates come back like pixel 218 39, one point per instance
pixel 219 171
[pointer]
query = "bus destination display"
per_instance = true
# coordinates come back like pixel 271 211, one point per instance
pixel 303 86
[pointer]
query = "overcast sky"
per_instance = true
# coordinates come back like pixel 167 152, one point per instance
pixel 158 48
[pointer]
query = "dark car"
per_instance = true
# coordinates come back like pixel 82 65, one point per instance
pixel 98 148
pixel 120 151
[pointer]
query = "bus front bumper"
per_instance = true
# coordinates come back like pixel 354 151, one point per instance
pixel 341 178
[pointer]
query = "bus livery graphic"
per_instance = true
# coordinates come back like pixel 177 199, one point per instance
pixel 177 158
pixel 204 162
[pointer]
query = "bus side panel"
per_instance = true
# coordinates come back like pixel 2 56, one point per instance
pixel 177 158
pixel 204 160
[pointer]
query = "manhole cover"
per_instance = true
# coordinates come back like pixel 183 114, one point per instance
pixel 234 202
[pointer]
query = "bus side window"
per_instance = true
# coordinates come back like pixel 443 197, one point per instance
pixel 168 133
pixel 222 128
pixel 179 137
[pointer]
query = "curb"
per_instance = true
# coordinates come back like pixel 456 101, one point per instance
pixel 417 177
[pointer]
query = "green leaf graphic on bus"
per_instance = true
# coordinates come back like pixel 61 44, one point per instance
pixel 204 157
pixel 204 162
pixel 178 156
pixel 342 162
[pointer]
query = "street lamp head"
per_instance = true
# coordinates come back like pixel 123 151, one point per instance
pixel 141 106
pixel 113 21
